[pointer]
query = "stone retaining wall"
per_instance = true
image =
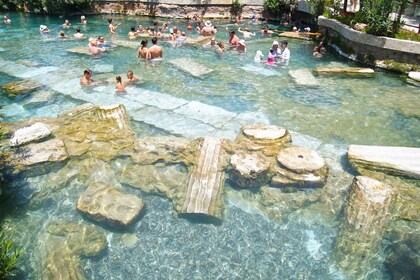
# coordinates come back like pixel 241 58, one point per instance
pixel 179 8
pixel 364 45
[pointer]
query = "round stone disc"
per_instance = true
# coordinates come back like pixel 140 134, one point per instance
pixel 300 159
pixel 264 132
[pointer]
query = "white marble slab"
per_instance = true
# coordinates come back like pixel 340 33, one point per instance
pixel 191 67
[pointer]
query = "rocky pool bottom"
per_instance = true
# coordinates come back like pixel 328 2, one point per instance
pixel 88 199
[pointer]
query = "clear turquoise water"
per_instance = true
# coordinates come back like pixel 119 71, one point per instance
pixel 382 110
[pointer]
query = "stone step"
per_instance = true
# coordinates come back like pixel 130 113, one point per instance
pixel 206 182
pixel 400 161
pixel 164 111
pixel 344 70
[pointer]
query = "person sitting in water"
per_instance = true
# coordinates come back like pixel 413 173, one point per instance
pixel 266 32
pixel 211 44
pixel 119 86
pixel 102 43
pixel 140 29
pixel 155 51
pixel 165 26
pixel 307 29
pixel 83 20
pixel 93 47
pixel 275 49
pixel 271 60
pixel 86 80
pixel 258 56
pixel 44 29
pixel 112 28
pixel 246 32
pixel 285 53
pixel 159 33
pixel 317 52
pixel 241 47
pixel 132 34
pixel 78 35
pixel 62 35
pixel 208 29
pixel 172 36
pixel 221 48
pixel 181 39
pixel 233 39
pixel 66 24
pixel 131 78
pixel 295 29
pixel 7 20
pixel 143 51
pixel 199 27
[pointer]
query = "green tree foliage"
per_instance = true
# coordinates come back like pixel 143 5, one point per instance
pixel 8 257
pixel 324 7
pixel 48 6
pixel 278 7
pixel 376 14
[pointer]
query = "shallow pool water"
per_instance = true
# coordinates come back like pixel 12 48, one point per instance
pixel 249 243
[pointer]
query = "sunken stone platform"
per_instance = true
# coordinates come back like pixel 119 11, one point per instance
pixel 110 204
pixel 191 67
pixel 304 77
pixel 399 161
pixel 16 88
pixel 300 166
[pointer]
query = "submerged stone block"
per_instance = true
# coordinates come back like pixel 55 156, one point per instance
pixel 261 137
pixel 249 170
pixel 191 67
pixel 110 204
pixel 299 166
pixel 304 77
pixel 64 246
pixel 206 182
pixel 368 210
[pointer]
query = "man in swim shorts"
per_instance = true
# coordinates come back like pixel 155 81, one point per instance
pixel 155 51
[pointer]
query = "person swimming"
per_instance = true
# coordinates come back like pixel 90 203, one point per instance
pixel 44 29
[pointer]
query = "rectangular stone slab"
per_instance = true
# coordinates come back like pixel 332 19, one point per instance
pixel 80 50
pixel 400 161
pixel 344 70
pixel 191 67
pixel 206 182
pixel 304 77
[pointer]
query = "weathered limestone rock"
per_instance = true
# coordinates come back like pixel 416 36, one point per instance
pixel 45 152
pixel 169 149
pixel 299 166
pixel 249 170
pixel 304 77
pixel 102 132
pixel 206 182
pixel 191 67
pixel 345 70
pixel 399 161
pixel 16 88
pixel 115 112
pixel 367 211
pixel 170 180
pixel 268 139
pixel 64 246
pixel 105 203
pixel 197 41
pixel 34 132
